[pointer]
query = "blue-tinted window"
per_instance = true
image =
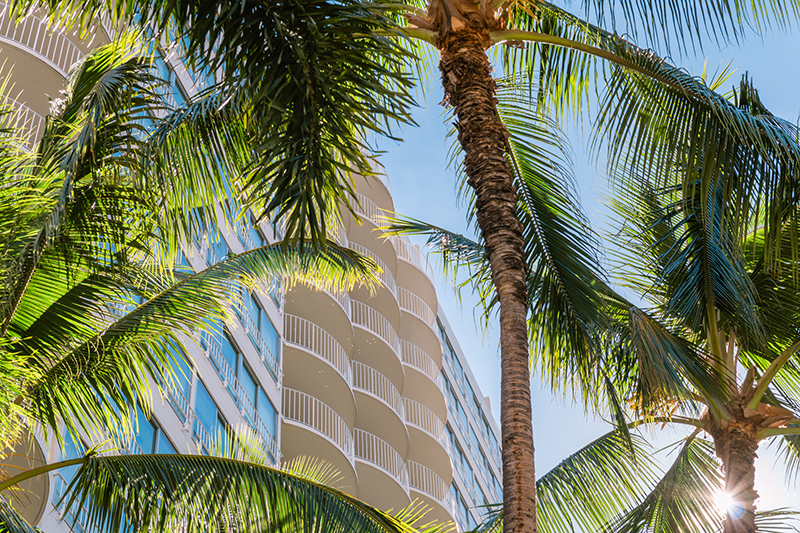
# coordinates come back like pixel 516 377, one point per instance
pixel 206 410
pixel 267 413
pixel 229 351
pixel 145 433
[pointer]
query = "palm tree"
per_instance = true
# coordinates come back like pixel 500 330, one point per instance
pixel 315 77
pixel 718 274
pixel 95 309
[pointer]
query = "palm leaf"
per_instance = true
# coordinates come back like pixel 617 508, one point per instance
pixel 683 499
pixel 92 385
pixel 159 492
pixel 11 521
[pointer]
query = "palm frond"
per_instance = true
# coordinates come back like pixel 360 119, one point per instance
pixel 11 521
pixel 160 492
pixel 777 520
pixel 598 482
pixel 683 499
pixel 94 382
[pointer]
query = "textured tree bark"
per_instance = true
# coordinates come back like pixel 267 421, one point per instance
pixel 736 447
pixel 470 88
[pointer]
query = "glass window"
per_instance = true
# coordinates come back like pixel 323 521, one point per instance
pixel 145 433
pixel 267 413
pixel 163 445
pixel 229 351
pixel 220 248
pixel 270 336
pixel 249 386
pixel 473 439
pixel 206 410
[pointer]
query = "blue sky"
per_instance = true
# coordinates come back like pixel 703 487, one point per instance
pixel 423 187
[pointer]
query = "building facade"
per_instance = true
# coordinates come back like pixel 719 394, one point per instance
pixel 374 384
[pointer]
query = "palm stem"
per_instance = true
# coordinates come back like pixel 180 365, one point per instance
pixel 33 472
pixel 530 36
pixel 770 373
pixel 772 432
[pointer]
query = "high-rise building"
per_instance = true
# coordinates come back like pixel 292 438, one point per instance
pixel 374 384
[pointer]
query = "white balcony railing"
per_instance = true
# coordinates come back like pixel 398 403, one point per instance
pixel 416 357
pixel 423 479
pixel 411 254
pixel 380 453
pixel 416 306
pixel 29 123
pixel 371 320
pixel 420 416
pixel 309 411
pixel 50 46
pixel 237 392
pixel 368 379
pixel 179 402
pixel 201 436
pixel 306 334
pixel 269 359
pixel 386 276
pixel 77 516
pixel 370 210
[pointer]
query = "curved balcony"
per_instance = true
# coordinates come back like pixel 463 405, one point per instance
pixel 369 210
pixel 377 343
pixel 384 298
pixel 306 334
pixel 28 122
pixel 433 489
pixel 329 311
pixel 386 276
pixel 380 408
pixel 371 320
pixel 419 323
pixel 382 472
pixel 427 438
pixel 423 381
pixel 312 428
pixel 32 35
pixel 415 272
pixel 315 361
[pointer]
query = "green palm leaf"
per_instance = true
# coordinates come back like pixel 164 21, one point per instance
pixel 160 492
pixel 11 521
pixel 683 499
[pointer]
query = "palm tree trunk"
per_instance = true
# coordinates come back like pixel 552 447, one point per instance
pixel 467 80
pixel 736 447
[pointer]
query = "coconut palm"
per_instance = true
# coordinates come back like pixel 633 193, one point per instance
pixel 314 77
pixel 719 295
pixel 95 309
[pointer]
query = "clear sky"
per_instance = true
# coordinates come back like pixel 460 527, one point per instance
pixel 424 188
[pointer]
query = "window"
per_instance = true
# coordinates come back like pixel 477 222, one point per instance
pixel 218 250
pixel 473 441
pixel 267 332
pixel 209 422
pixel 149 436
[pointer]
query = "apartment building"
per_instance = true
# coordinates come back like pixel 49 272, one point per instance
pixel 375 384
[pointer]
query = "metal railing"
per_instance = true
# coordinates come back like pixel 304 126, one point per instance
pixel 425 480
pixel 377 451
pixel 411 254
pixel 416 306
pixel 420 416
pixel 202 439
pixel 386 276
pixel 77 520
pixel 269 359
pixel 370 319
pixel 306 334
pixel 29 123
pixel 237 392
pixel 368 379
pixel 416 357
pixel 370 210
pixel 32 34
pixel 309 411
pixel 179 402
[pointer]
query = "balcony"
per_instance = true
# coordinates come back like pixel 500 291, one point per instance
pixel 305 334
pixel 423 381
pixel 428 443
pixel 269 359
pixel 312 428
pixel 32 35
pixel 386 276
pixel 369 210
pixel 419 323
pixel 433 489
pixel 29 123
pixel 243 402
pixel 374 322
pixel 411 254
pixel 378 464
